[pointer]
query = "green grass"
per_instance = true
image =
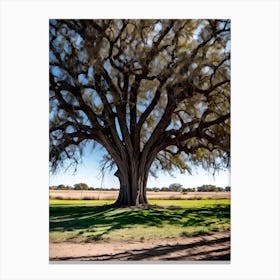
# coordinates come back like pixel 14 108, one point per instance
pixel 90 221
pixel 76 202
pixel 162 202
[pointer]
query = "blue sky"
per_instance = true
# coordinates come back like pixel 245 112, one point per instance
pixel 89 172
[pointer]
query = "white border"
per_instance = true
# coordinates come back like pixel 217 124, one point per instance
pixel 24 138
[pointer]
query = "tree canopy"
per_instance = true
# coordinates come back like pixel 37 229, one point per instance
pixel 154 93
pixel 81 186
pixel 175 187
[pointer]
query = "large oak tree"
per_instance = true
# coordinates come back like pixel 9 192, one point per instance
pixel 154 93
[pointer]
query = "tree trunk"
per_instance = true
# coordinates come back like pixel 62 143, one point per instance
pixel 132 186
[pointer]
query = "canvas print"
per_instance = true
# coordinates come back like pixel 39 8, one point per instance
pixel 139 140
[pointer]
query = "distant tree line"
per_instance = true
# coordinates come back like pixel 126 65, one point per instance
pixel 175 187
pixel 80 186
pixel 212 188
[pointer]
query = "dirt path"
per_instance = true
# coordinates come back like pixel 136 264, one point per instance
pixel 213 246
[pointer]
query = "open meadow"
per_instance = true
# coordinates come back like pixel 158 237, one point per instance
pixel 174 229
pixel 112 195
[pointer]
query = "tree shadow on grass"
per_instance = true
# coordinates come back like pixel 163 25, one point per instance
pixel 105 219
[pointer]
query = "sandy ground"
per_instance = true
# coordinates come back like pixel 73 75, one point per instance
pixel 75 194
pixel 213 246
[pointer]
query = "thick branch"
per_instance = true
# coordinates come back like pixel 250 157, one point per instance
pixel 122 121
pixel 148 110
pixel 77 126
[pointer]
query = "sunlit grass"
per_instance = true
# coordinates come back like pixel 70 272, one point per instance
pixel 190 203
pixel 80 202
pixel 162 202
pixel 89 221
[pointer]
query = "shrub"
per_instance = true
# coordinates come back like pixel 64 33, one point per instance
pixel 89 198
pixel 207 188
pixel 195 198
pixel 176 187
pixel 172 197
pixel 81 186
pixel 58 197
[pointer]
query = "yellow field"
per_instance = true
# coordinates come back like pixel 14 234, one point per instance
pixel 74 194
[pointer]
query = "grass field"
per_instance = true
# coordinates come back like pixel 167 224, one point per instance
pixel 112 195
pixel 89 220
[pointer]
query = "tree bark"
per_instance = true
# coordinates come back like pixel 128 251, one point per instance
pixel 132 186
